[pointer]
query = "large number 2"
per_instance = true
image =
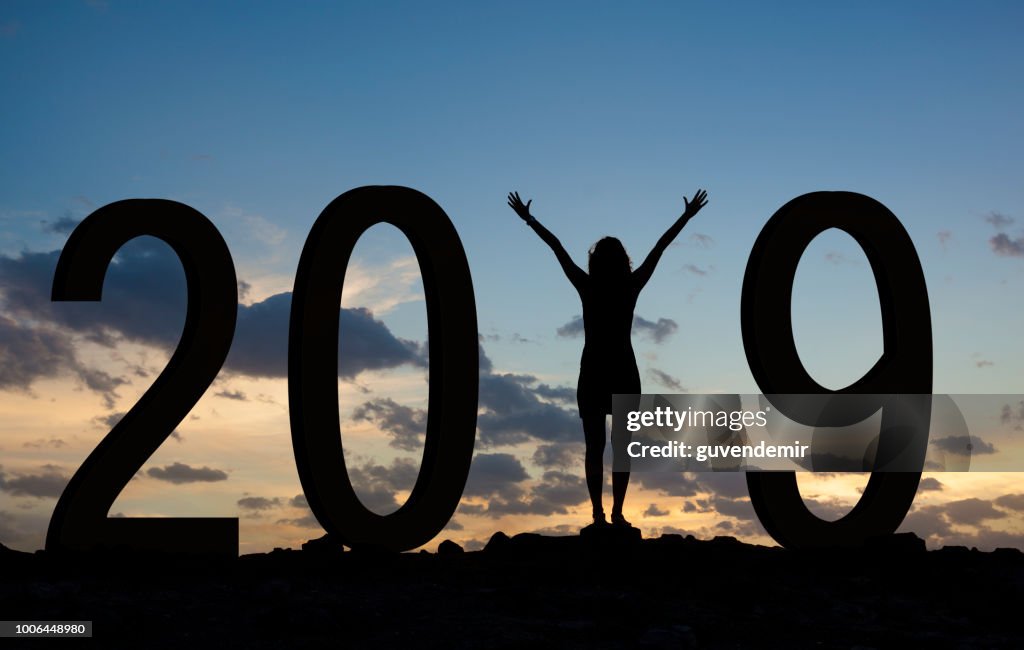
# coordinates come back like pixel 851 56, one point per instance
pixel 80 519
pixel 905 366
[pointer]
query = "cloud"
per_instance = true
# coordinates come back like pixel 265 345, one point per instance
pixel 929 522
pixel 512 412
pixel 694 269
pixel 100 382
pixel 564 394
pixel 260 347
pixel 244 288
pixel 998 220
pixel 259 503
pixel 930 484
pixel 665 379
pixel 731 485
pixel 30 354
pixel 179 473
pixel 144 302
pixel 39 443
pixel 1012 414
pixel 495 475
pixel 407 426
pixel 1011 502
pixel 236 395
pixel 701 240
pixel 672 530
pixel 658 331
pixel 935 523
pixel 109 420
pixel 564 454
pixel 500 479
pixel 571 329
pixel 306 521
pixel 654 511
pixel 1003 245
pixel 971 511
pixel 506 422
pixel 62 226
pixel 376 485
pixel 668 483
pixel 697 505
pixel 739 508
pixel 558 490
pixel 298 501
pixel 987 539
pixel 964 445
pixel 49 482
pixel 143 294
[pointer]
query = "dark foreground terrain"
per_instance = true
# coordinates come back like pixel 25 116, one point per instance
pixel 531 592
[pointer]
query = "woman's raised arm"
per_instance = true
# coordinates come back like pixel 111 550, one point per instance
pixel 645 270
pixel 575 274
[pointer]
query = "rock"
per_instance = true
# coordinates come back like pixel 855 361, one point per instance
pixel 726 541
pixel 324 544
pixel 537 591
pixel 499 542
pixel 610 535
pixel 896 543
pixel 448 547
pixel 670 538
pixel 373 550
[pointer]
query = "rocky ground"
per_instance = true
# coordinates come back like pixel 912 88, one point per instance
pixel 595 591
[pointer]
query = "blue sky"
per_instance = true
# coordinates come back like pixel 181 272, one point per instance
pixel 605 114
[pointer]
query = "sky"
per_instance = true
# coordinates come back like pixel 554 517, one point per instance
pixel 607 116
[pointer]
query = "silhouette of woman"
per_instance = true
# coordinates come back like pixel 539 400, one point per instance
pixel 608 365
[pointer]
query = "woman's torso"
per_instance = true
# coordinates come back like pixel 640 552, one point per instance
pixel 608 322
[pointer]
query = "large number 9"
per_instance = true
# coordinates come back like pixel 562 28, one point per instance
pixel 905 366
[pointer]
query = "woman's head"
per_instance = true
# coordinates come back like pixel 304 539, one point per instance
pixel 609 260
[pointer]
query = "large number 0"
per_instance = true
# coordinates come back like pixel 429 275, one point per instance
pixel 905 366
pixel 313 367
pixel 80 520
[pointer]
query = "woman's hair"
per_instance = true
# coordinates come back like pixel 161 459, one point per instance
pixel 609 260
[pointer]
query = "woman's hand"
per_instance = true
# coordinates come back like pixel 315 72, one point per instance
pixel 700 199
pixel 522 209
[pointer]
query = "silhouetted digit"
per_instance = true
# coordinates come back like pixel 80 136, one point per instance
pixel 904 368
pixel 80 520
pixel 313 367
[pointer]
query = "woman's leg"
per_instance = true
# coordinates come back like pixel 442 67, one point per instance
pixel 621 438
pixel 593 463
